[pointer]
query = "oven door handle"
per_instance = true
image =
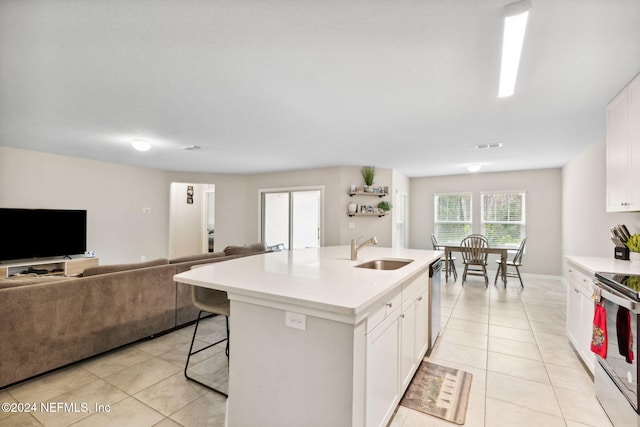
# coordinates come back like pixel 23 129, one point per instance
pixel 617 298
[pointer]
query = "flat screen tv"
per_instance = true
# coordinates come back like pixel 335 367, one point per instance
pixel 41 233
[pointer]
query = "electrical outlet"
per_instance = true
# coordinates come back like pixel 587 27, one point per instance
pixel 296 320
pixel 352 225
pixel 143 258
pixel 146 210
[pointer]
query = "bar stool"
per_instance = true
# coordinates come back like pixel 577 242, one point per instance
pixel 208 301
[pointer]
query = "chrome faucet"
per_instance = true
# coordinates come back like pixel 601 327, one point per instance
pixel 355 247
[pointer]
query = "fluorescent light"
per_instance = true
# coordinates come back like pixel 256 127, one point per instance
pixel 488 146
pixel 141 144
pixel 515 24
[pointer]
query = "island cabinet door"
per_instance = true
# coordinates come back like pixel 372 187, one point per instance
pixel 407 341
pixel 382 392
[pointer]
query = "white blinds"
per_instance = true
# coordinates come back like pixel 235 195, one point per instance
pixel 503 217
pixel 452 217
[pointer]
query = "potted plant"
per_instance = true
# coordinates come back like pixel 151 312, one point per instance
pixel 385 206
pixel 368 173
pixel 634 248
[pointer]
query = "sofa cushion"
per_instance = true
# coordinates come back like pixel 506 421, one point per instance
pixel 247 249
pixel 104 269
pixel 15 281
pixel 197 257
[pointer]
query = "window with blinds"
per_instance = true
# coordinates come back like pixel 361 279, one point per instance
pixel 452 217
pixel 503 217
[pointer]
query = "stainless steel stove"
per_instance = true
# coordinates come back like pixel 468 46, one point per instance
pixel 628 285
pixel 616 374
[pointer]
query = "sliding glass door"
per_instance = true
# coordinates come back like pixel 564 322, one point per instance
pixel 292 218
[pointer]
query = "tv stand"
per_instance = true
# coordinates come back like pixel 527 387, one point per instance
pixel 49 266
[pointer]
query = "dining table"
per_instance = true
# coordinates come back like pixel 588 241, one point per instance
pixel 497 249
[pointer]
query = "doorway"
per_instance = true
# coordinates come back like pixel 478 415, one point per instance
pixel 191 219
pixel 292 217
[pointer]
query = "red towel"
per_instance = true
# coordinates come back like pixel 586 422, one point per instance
pixel 599 337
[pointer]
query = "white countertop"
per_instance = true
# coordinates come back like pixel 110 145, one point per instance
pixel 606 265
pixel 322 279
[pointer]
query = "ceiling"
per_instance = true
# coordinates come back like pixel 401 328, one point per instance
pixel 274 85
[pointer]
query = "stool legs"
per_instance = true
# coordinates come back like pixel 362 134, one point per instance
pixel 191 353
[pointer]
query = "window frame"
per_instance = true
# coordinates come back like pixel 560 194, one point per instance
pixel 522 222
pixel 437 221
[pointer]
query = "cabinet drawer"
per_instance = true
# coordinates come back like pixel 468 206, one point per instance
pixel 383 308
pixel 412 285
pixel 579 277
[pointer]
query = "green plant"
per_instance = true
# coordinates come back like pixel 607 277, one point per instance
pixel 634 243
pixel 384 205
pixel 368 172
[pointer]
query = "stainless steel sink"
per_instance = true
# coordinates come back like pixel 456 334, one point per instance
pixel 385 264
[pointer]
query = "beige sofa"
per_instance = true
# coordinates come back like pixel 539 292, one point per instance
pixel 50 322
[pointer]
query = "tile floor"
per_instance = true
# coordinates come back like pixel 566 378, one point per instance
pixel 513 342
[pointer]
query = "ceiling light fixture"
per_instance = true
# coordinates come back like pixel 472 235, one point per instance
pixel 515 24
pixel 141 144
pixel 474 167
pixel 488 146
pixel 190 147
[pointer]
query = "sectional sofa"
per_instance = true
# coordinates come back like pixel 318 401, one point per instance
pixel 49 322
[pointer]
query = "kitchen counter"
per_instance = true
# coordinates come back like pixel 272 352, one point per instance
pixel 322 281
pixel 602 264
pixel 316 341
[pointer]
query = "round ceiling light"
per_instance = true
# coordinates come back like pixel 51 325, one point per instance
pixel 141 145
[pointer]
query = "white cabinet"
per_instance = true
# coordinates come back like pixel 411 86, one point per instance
pixel 407 342
pixel 623 150
pixel 414 327
pixel 382 389
pixel 397 340
pixel 580 309
pixel 50 267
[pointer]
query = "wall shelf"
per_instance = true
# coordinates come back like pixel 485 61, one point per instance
pixel 367 193
pixel 379 215
pixel 368 209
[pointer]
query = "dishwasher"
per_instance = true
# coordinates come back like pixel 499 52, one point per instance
pixel 435 269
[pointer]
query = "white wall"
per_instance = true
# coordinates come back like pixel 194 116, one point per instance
pixel 336 182
pixel 543 212
pixel 113 195
pixel 585 222
pixel 118 230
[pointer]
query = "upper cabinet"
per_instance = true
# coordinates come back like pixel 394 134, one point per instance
pixel 623 150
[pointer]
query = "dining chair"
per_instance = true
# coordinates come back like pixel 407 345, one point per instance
pixel 452 265
pixel 208 301
pixel 474 257
pixel 516 263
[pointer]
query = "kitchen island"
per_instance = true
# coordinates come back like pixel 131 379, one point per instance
pixel 316 340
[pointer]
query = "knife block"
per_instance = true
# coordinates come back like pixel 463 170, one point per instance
pixel 621 253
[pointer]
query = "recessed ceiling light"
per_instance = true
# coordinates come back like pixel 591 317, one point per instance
pixel 515 24
pixel 474 167
pixel 141 144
